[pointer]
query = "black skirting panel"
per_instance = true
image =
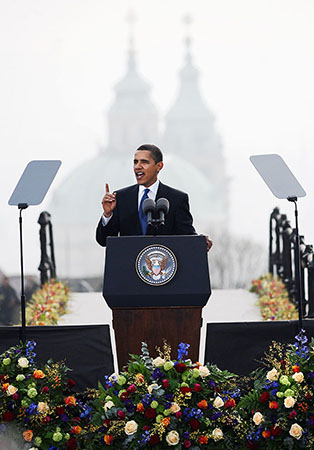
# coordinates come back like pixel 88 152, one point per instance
pixel 239 347
pixel 85 349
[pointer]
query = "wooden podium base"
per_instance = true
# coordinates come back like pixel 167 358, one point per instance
pixel 176 324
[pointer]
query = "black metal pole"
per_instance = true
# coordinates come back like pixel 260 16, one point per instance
pixel 22 206
pixel 298 263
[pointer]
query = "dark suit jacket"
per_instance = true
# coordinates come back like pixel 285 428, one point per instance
pixel 125 219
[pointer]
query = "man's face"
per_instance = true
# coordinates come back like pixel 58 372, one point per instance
pixel 145 168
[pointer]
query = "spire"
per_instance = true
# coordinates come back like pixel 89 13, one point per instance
pixel 188 20
pixel 131 20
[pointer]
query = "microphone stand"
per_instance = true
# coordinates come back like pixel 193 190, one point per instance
pixel 22 206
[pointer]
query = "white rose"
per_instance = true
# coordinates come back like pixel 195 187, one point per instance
pixel 296 431
pixel 298 377
pixel 204 371
pixel 174 407
pixel 217 434
pixel 151 387
pixel 11 389
pixel 42 407
pixel 158 362
pixel 218 402
pixel 108 405
pixel 130 427
pixel 289 402
pixel 258 418
pixel 23 362
pixel 172 438
pixel 272 375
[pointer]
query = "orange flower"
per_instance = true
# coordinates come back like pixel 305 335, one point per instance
pixel 202 404
pixel 139 378
pixel 38 374
pixel 108 439
pixel 203 439
pixel 28 435
pixel 166 421
pixel 266 434
pixel 70 400
pixel 296 369
pixel 273 405
pixel 5 386
pixel 76 429
pixel 140 407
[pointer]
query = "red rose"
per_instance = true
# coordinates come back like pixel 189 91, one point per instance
pixel 187 444
pixel 276 431
pixel 308 396
pixel 180 367
pixel 60 410
pixel 185 389
pixel 71 383
pixel 154 439
pixel 46 419
pixel 165 383
pixel 264 397
pixel 71 444
pixel 230 403
pixel 8 416
pixel 131 388
pixel 45 389
pixel 146 428
pixel 76 419
pixel 197 387
pixel 15 396
pixel 292 415
pixel 194 424
pixel 121 414
pixel 178 414
pixel 150 413
pixel 107 423
pixel 124 396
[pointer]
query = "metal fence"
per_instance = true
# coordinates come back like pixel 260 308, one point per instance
pixel 282 257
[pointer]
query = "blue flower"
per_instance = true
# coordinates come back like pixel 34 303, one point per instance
pixel 182 350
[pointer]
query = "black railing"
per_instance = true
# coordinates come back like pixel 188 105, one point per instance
pixel 47 266
pixel 282 257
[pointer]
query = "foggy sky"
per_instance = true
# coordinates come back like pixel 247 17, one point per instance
pixel 61 58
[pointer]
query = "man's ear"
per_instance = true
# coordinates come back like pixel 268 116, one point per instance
pixel 160 165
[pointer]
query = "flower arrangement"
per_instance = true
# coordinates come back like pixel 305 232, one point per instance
pixel 48 304
pixel 40 401
pixel 273 299
pixel 279 411
pixel 163 404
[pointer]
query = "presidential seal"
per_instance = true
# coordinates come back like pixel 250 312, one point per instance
pixel 156 265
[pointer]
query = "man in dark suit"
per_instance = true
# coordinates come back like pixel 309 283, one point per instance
pixel 122 209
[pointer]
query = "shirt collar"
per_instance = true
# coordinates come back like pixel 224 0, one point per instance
pixel 153 188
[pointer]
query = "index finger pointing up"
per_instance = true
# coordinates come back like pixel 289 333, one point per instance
pixel 107 188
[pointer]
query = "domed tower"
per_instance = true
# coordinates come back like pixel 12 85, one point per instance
pixel 190 133
pixel 76 203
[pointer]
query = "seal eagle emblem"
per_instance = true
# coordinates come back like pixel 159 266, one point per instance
pixel 156 265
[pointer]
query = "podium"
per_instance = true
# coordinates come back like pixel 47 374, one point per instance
pixel 156 287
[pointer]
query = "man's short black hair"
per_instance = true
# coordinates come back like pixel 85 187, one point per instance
pixel 154 150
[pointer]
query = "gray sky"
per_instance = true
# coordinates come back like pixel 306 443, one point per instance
pixel 61 58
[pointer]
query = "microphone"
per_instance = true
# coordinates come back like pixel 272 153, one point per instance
pixel 148 209
pixel 162 207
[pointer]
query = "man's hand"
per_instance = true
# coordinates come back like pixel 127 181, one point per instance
pixel 108 202
pixel 209 243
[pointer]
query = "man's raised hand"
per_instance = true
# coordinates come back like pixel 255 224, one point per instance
pixel 108 202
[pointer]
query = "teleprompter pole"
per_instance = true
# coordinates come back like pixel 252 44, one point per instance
pixel 297 262
pixel 22 206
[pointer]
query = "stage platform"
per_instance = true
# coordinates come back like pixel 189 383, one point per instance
pixel 224 305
